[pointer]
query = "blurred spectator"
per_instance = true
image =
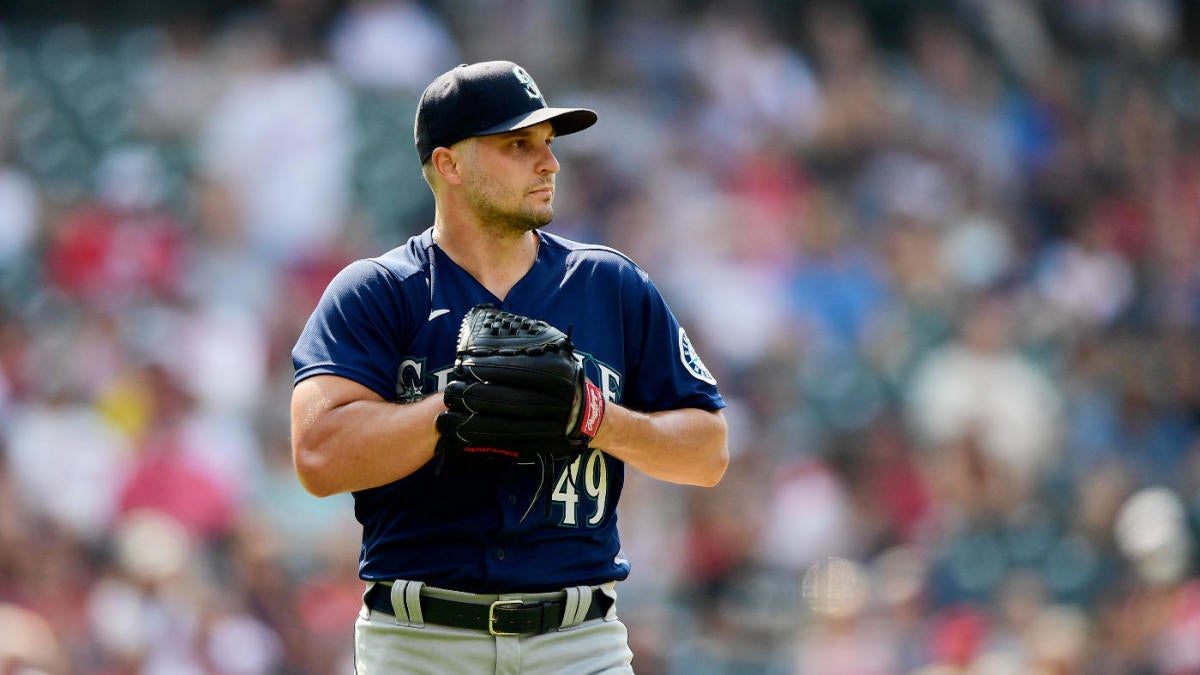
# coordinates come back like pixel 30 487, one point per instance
pixel 857 107
pixel 841 637
pixel 1154 428
pixel 559 54
pixel 792 544
pixel 837 287
pixel 1058 639
pixel 66 459
pixel 124 246
pixel 391 45
pixel 28 644
pixel 957 637
pixel 277 147
pixel 1085 279
pixel 1152 531
pixel 734 300
pixel 20 206
pixel 1175 651
pixel 955 95
pixel 180 82
pixel 758 87
pixel 989 418
pixel 171 476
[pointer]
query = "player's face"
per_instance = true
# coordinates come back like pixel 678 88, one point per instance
pixel 509 180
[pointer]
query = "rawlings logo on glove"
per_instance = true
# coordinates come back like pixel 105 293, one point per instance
pixel 517 391
pixel 594 410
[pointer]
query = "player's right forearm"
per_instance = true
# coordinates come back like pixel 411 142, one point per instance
pixel 364 443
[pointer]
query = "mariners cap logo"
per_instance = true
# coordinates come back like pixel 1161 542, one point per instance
pixel 691 360
pixel 526 79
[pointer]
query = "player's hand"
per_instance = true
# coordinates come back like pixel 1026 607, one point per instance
pixel 517 391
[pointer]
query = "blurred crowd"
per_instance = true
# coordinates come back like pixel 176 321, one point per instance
pixel 943 258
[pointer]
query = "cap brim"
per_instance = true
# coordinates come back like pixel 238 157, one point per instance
pixel 565 121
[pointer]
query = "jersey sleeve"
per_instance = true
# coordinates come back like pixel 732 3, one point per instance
pixel 356 330
pixel 667 371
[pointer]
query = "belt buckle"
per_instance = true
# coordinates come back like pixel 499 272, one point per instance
pixel 492 617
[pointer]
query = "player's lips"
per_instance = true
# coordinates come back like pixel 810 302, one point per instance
pixel 544 191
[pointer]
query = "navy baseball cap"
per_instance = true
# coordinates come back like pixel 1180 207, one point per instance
pixel 487 98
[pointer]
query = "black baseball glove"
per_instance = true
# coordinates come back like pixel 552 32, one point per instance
pixel 517 391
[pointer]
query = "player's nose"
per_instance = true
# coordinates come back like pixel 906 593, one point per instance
pixel 547 162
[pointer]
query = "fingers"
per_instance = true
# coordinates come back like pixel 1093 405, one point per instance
pixel 505 401
pixel 550 374
pixel 449 422
pixel 468 428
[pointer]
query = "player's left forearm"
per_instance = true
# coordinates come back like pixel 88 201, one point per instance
pixel 681 446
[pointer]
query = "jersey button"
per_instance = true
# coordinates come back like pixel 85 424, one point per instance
pixel 499 554
pixel 512 499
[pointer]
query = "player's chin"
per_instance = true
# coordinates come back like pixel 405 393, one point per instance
pixel 541 217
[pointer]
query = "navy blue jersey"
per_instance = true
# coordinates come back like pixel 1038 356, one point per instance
pixel 391 324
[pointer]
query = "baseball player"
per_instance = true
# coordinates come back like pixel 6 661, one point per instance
pixel 480 389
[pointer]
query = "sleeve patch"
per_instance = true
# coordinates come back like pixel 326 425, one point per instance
pixel 691 360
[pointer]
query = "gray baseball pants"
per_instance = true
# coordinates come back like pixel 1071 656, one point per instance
pixel 405 645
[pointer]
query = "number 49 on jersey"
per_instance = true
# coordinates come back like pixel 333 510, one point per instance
pixel 594 485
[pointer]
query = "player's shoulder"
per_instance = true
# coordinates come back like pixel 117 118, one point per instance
pixel 407 260
pixel 398 265
pixel 577 252
pixel 392 271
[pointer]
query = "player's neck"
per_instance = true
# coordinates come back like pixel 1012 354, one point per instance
pixel 496 260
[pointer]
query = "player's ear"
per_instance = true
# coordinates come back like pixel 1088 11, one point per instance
pixel 447 163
